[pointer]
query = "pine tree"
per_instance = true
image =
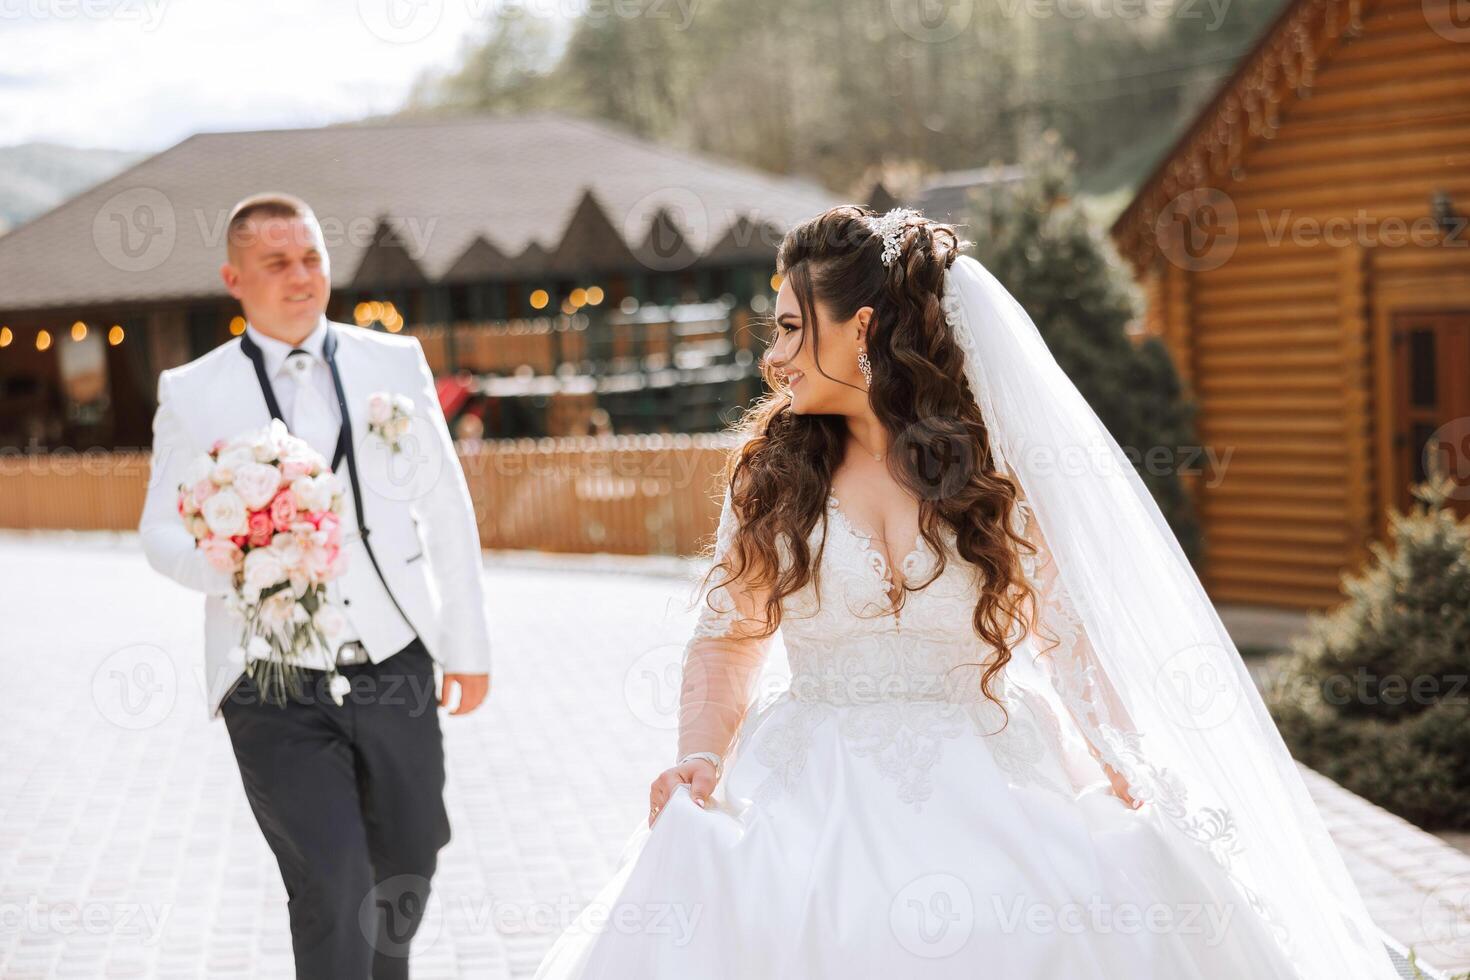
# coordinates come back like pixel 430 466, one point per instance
pixel 1376 694
pixel 1042 246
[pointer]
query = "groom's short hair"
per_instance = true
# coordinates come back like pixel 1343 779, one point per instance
pixel 268 204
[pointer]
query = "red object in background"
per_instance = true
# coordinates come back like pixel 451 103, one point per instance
pixel 453 393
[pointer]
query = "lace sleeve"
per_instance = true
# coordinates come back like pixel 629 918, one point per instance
pixel 1069 661
pixel 722 659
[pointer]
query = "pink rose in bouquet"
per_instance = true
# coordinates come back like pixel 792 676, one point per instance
pixel 265 508
pixel 283 509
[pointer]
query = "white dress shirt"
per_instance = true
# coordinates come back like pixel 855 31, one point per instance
pixel 275 353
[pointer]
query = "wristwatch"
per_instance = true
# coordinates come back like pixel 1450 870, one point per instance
pixel 713 758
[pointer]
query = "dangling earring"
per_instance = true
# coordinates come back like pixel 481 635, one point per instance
pixel 866 367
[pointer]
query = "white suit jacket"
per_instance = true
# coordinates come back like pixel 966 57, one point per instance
pixel 416 503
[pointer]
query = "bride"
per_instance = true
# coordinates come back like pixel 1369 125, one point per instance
pixel 1017 742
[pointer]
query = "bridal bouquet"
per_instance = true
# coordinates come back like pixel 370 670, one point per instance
pixel 265 508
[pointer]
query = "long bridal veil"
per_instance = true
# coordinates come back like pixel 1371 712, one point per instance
pixel 1155 682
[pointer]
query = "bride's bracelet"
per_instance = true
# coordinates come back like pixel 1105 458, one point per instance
pixel 713 758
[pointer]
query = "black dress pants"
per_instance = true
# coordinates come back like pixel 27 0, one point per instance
pixel 350 798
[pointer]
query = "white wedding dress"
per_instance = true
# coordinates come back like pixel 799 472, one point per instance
pixel 880 818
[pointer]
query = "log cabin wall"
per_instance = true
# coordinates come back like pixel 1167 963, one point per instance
pixel 1287 337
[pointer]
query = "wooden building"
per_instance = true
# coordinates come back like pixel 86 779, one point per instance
pixel 1304 250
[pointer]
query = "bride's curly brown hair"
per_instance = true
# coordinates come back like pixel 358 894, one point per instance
pixel 780 477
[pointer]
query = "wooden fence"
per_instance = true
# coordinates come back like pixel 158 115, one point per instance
pixel 635 495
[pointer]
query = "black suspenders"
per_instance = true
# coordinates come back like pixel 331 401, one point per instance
pixel 344 442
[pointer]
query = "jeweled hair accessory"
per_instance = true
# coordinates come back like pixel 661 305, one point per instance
pixel 891 226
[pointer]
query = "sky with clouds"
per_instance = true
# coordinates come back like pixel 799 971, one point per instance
pixel 145 74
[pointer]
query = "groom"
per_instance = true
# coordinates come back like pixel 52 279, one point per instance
pixel 349 796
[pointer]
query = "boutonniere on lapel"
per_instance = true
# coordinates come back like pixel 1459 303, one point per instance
pixel 389 417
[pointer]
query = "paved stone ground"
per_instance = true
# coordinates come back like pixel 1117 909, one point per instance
pixel 126 845
pixel 127 848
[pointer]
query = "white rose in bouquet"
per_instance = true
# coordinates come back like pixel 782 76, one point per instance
pixel 313 493
pixel 224 512
pixel 277 611
pixel 333 487
pixel 231 458
pixel 288 551
pixel 263 569
pixel 265 445
pixel 298 459
pixel 256 483
pixel 290 445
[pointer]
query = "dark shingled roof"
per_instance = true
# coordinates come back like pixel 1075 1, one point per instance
pixel 461 194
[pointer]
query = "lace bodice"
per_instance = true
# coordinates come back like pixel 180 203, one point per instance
pixel 849 642
pixel 898 676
